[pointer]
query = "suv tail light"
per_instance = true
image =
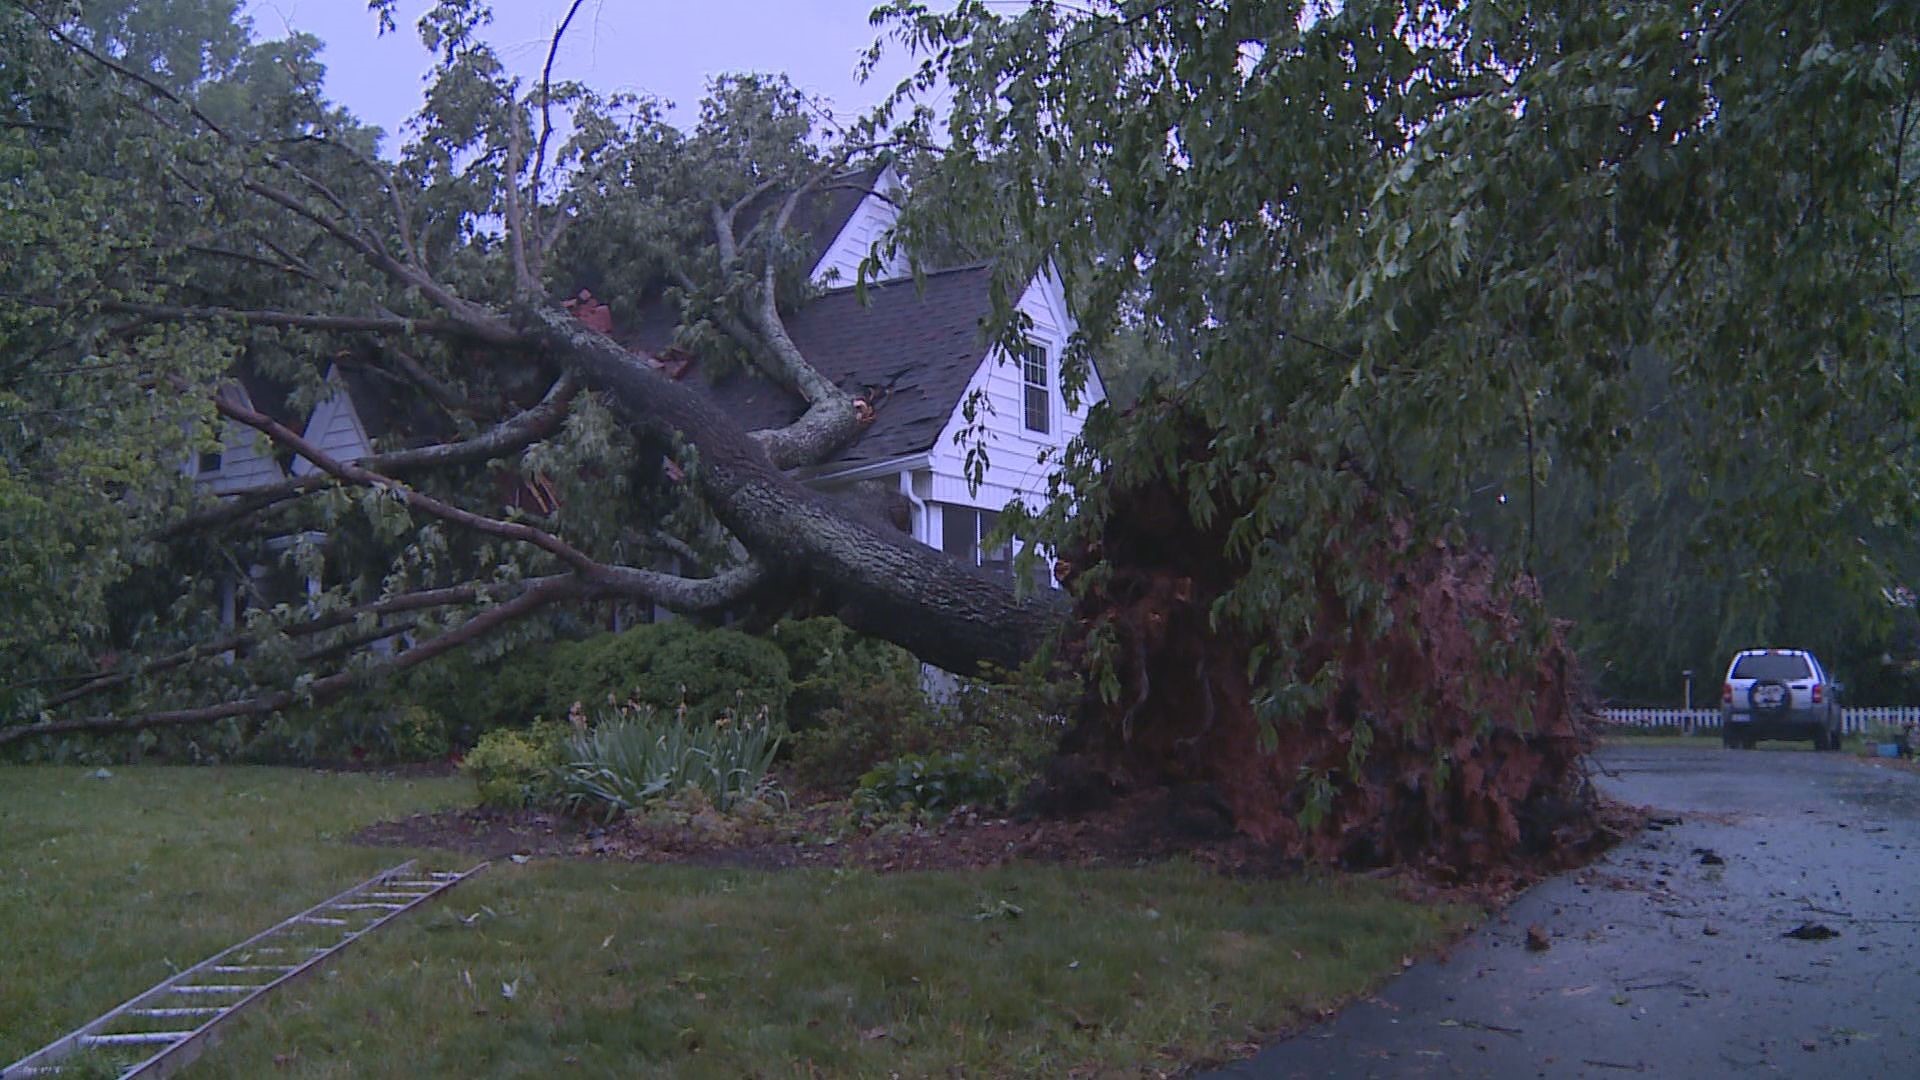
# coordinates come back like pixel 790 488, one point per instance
pixel 1726 693
pixel 1816 693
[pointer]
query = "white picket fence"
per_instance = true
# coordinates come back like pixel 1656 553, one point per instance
pixel 1852 720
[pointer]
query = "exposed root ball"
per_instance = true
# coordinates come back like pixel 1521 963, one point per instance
pixel 1469 768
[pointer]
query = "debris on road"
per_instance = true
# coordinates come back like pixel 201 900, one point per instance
pixel 1811 932
pixel 1709 857
pixel 1537 940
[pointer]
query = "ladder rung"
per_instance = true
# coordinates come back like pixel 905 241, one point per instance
pixel 444 875
pixel 322 920
pixel 212 988
pixel 184 1010
pixel 277 950
pixel 134 1037
pixel 368 907
pixel 228 969
pixel 398 895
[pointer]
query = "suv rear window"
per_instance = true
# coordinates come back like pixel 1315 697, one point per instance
pixel 1771 666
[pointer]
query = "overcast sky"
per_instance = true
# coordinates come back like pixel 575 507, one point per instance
pixel 666 48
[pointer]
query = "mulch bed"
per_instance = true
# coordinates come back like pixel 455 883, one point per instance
pixel 1136 831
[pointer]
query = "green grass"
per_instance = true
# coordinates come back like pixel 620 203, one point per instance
pixel 617 969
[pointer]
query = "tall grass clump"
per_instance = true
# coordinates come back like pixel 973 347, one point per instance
pixel 639 754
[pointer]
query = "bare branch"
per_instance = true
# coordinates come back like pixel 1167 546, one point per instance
pixel 523 281
pixel 546 114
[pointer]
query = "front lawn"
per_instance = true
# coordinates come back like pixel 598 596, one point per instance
pixel 611 968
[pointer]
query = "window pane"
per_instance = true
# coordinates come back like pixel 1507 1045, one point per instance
pixel 1768 666
pixel 1033 376
pixel 209 461
pixel 998 558
pixel 959 533
pixel 1037 419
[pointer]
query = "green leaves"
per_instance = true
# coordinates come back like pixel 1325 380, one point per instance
pixel 1443 249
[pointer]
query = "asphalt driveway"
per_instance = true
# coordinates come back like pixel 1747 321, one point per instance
pixel 1671 956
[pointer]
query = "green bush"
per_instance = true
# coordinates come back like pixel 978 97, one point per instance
pixel 1017 721
pixel 935 784
pixel 478 696
pixel 376 728
pixel 711 672
pixel 640 755
pixel 828 661
pixel 514 768
pixel 1015 725
pixel 872 724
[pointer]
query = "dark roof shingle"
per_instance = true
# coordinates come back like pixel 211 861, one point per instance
pixel 910 350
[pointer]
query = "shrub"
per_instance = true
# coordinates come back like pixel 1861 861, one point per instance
pixel 516 768
pixel 711 672
pixel 935 784
pixel 378 728
pixel 1015 725
pixel 828 661
pixel 872 724
pixel 1018 720
pixel 640 755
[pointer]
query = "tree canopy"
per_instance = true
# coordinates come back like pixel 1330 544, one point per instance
pixel 1535 272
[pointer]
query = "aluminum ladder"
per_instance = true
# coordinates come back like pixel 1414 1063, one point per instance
pixel 174 1021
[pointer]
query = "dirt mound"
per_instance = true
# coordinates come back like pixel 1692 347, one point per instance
pixel 1433 741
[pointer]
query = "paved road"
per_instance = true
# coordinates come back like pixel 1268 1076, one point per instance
pixel 1665 963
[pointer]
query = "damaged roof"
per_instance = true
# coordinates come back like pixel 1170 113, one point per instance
pixel 910 351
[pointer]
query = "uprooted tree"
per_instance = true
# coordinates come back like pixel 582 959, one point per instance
pixel 1404 250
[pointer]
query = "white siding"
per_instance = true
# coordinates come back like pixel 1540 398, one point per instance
pixel 866 226
pixel 334 428
pixel 1012 450
pixel 246 459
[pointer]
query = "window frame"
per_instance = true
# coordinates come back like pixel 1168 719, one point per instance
pixel 1036 356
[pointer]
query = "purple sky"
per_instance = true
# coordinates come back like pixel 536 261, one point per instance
pixel 667 48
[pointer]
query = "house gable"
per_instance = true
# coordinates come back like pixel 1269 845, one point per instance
pixel 245 459
pixel 335 427
pixel 866 226
pixel 1014 468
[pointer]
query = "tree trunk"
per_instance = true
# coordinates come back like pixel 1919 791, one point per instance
pixel 879 582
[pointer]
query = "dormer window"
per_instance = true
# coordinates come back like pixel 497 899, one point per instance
pixel 1039 398
pixel 209 461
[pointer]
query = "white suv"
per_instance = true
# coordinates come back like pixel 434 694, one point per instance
pixel 1779 694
